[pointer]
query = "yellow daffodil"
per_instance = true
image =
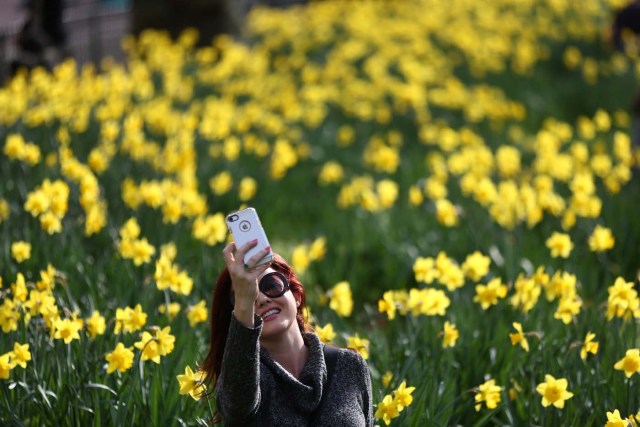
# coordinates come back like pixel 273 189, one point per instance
pixel 435 189
pixel 5 210
pixel 623 300
pixel 402 395
pixel 519 337
pixel 446 213
pixel 221 183
pixel 19 288
pixel 96 324
pixel 247 188
pixel 210 229
pixel 561 285
pixel 560 245
pixel 148 345
pixel 450 335
pixel 20 355
pixel 601 239
pixel 630 363
pixel 171 310
pixel 424 270
pixel 614 419
pixel 5 365
pixel 429 301
pixel 318 249
pixel 300 259
pixel 488 295
pixel 476 266
pixel 508 161
pixel 527 293
pixel 130 319
pixel 67 330
pixel 589 345
pixel 387 305
pixel 141 251
pixel 21 251
pixel 331 173
pixel 341 299
pixel 192 383
pixel 361 345
pixel 386 378
pixel 387 191
pixel 451 276
pixel 121 359
pixel 415 195
pixel 130 230
pixel 166 341
pixel 568 309
pixel 42 303
pixel 554 391
pixel 387 410
pixel 9 315
pixel 197 313
pixel 489 393
pixel 325 333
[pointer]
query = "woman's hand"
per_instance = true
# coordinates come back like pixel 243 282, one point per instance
pixel 244 280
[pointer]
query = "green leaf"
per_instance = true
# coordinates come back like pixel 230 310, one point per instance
pixel 486 417
pixel 102 387
pixel 44 393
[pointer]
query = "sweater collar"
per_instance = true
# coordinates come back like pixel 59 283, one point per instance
pixel 307 390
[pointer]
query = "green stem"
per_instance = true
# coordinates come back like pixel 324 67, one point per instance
pixel 629 397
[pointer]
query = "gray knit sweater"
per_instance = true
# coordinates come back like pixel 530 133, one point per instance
pixel 255 390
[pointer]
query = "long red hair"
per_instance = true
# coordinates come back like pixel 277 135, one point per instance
pixel 221 309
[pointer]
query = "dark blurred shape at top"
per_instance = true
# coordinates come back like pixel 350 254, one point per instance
pixel 625 29
pixel 209 17
pixel 626 19
pixel 42 39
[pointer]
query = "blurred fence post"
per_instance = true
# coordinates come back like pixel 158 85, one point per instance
pixel 8 48
pixel 93 29
pixel 95 47
pixel 209 17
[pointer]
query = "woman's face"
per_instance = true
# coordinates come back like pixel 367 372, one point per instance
pixel 278 314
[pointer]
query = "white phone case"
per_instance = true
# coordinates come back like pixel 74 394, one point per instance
pixel 245 226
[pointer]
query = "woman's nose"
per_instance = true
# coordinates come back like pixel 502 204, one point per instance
pixel 261 300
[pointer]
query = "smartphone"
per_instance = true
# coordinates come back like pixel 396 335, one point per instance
pixel 245 226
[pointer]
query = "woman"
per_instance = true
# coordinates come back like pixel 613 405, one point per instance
pixel 265 365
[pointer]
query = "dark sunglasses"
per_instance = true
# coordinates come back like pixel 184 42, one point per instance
pixel 273 285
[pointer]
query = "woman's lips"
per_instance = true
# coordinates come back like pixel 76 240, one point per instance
pixel 269 314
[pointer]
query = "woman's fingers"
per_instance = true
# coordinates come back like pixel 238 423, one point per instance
pixel 244 277
pixel 251 262
pixel 242 250
pixel 227 253
pixel 239 267
pixel 233 256
pixel 258 270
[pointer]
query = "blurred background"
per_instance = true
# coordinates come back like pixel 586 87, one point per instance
pixel 84 29
pixel 44 31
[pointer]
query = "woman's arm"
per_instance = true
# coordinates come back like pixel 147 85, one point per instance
pixel 239 382
pixel 367 394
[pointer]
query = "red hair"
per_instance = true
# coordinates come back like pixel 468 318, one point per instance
pixel 221 309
